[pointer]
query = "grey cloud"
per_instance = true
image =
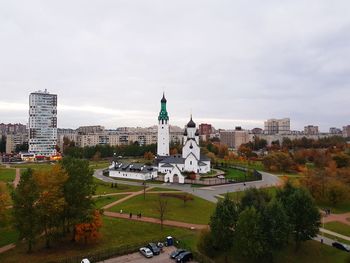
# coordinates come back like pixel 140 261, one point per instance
pixel 241 60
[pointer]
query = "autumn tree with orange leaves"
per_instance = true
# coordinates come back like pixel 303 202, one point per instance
pixel 89 232
pixel 51 200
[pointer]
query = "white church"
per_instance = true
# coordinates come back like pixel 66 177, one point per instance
pixel 175 167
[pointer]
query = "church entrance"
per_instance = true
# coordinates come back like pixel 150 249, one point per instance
pixel 175 179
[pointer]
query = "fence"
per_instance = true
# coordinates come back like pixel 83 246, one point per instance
pixel 254 176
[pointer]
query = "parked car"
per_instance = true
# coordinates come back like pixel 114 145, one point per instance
pixel 85 260
pixel 221 176
pixel 153 247
pixel 146 252
pixel 341 246
pixel 177 252
pixel 184 257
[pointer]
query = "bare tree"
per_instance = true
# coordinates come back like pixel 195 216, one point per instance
pixel 162 209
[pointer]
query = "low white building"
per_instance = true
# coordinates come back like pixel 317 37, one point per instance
pixel 136 171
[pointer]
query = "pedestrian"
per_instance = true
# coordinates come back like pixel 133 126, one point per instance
pixel 130 215
pixel 121 211
pixel 140 215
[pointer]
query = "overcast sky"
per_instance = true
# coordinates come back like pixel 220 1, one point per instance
pixel 230 63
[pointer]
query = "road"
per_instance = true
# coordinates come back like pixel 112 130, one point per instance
pixel 208 193
pixel 138 258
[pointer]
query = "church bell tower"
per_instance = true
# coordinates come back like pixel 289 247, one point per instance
pixel 163 130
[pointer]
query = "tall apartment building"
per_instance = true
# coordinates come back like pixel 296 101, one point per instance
pixel 42 123
pixel 311 130
pixel 277 126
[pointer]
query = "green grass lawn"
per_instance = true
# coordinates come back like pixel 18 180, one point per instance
pixel 159 189
pixel 7 233
pixel 235 174
pixel 7 236
pixel 338 209
pixel 338 227
pixel 257 165
pixel 105 188
pixel 99 164
pixel 310 251
pixel 115 233
pixel 197 211
pixel 7 175
pixel 237 196
pixel 105 200
pixel 34 166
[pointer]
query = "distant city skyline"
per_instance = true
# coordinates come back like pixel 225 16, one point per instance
pixel 229 63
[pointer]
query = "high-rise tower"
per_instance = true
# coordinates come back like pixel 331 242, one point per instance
pixel 42 123
pixel 163 130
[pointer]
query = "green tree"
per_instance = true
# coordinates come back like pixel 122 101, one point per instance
pixel 25 210
pixel 223 223
pixel 78 191
pixel 258 198
pixel 336 192
pixel 303 214
pixel 249 236
pixel 276 228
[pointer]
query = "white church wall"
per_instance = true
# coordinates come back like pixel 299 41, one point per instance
pixel 191 164
pixel 169 177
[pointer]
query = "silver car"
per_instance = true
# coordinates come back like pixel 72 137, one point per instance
pixel 146 252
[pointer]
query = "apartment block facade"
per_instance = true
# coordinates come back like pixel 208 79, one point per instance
pixel 277 126
pixel 42 123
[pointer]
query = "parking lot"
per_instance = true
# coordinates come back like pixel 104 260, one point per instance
pixel 136 257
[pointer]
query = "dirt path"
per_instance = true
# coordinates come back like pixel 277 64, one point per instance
pixel 17 178
pixel 125 198
pixel 156 221
pixel 342 218
pixel 112 194
pixel 7 247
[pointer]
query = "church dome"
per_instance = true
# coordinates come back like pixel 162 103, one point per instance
pixel 191 123
pixel 185 132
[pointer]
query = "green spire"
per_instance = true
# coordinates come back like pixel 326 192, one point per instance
pixel 163 114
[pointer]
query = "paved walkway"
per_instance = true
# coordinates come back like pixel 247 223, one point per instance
pixel 343 218
pixel 326 231
pixel 156 221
